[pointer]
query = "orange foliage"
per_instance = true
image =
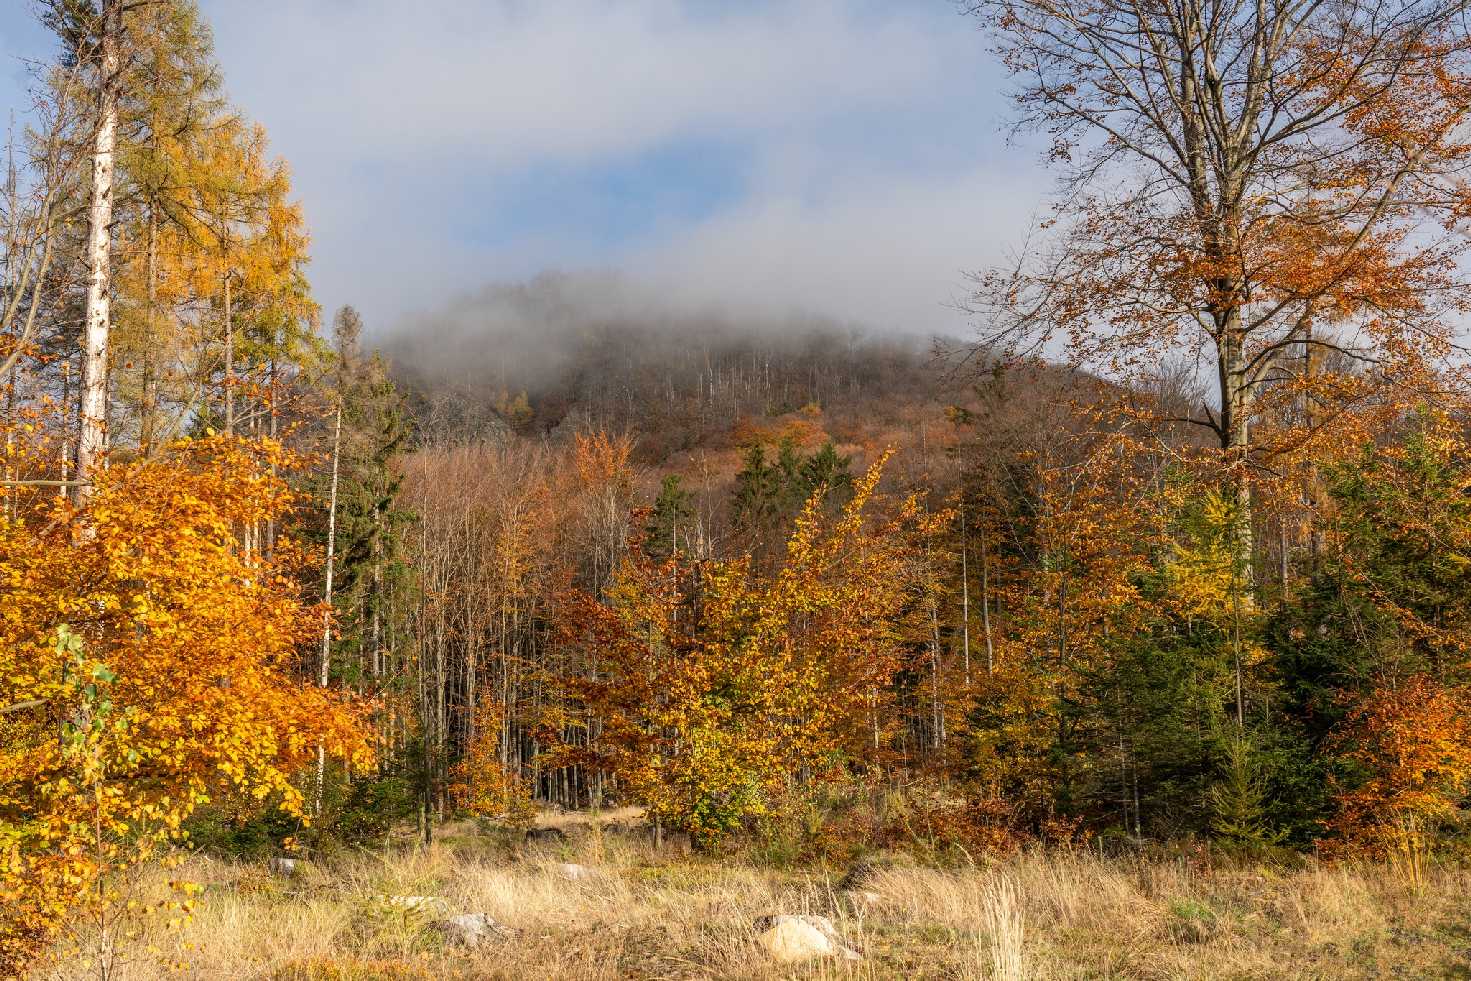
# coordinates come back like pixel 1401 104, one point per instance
pixel 482 782
pixel 1413 739
pixel 602 459
pixel 1062 612
pixel 164 654
pixel 803 431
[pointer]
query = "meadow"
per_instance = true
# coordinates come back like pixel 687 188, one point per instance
pixel 605 904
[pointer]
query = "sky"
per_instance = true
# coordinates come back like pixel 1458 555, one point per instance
pixel 845 158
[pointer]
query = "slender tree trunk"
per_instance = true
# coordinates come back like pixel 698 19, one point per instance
pixel 10 473
pixel 986 606
pixel 66 446
pixel 937 709
pixel 325 664
pixel 965 593
pixel 1283 570
pixel 937 716
pixel 375 632
pixel 269 547
pixel 1237 587
pixel 230 366
pixel 148 403
pixel 1310 479
pixel 92 442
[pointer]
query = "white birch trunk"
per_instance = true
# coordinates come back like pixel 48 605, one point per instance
pixel 92 440
pixel 326 660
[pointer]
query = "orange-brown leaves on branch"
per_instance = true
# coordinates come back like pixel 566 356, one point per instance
pixel 1410 742
pixel 1252 187
pixel 483 784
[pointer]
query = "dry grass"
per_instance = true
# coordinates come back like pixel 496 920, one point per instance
pixel 642 916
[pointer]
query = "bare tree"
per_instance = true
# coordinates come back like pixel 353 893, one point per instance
pixel 32 214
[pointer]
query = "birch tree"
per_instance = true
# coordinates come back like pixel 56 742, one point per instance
pixel 93 35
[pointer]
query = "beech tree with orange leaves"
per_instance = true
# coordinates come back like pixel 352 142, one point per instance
pixel 1246 188
pixel 1410 743
pixel 151 668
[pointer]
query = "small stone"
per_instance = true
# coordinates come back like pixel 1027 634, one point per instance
pixel 282 866
pixel 470 929
pixel 790 939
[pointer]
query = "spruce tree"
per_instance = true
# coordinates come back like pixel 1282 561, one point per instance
pixel 667 533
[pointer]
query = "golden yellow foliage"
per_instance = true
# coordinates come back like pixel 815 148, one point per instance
pixel 150 668
pixel 720 684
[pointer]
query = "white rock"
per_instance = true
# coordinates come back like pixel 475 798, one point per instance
pixel 575 872
pixel 789 939
pixel 283 866
pixel 470 929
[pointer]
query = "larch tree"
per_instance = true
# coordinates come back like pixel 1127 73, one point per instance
pixel 172 104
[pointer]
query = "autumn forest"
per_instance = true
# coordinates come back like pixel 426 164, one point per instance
pixel 1165 558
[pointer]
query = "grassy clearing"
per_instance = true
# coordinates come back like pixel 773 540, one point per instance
pixel 643 915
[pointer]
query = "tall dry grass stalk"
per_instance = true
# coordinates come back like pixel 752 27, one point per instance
pixel 1005 925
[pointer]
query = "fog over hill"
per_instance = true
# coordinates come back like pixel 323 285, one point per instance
pixel 603 350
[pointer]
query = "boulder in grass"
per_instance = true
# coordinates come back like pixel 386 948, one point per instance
pixel 792 939
pixel 284 867
pixel 471 929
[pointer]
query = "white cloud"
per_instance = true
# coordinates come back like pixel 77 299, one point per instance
pixel 863 184
pixel 512 83
pixel 885 250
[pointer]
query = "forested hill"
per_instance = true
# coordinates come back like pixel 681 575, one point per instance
pixel 563 354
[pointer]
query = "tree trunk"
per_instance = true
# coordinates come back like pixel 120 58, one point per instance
pixel 325 665
pixel 965 594
pixel 986 606
pixel 270 542
pixel 1236 401
pixel 230 374
pixel 93 436
pixel 148 402
pixel 66 448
